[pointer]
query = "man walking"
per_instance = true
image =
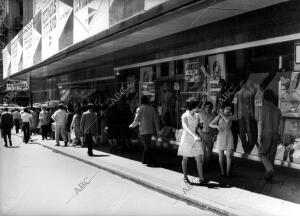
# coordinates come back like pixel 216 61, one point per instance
pixel 60 119
pixel 17 120
pixel 26 123
pixel 44 117
pixel 205 117
pixel 89 126
pixel 270 133
pixel 145 117
pixel 7 124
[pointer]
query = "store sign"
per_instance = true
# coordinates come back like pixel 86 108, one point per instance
pixel 37 38
pixel 17 85
pixel 65 20
pixel 90 18
pixel 50 29
pixel 17 53
pixel 6 61
pixel 28 45
pixel 191 71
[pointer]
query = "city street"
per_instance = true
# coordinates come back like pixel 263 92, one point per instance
pixel 38 181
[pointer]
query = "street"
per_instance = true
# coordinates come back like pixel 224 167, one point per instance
pixel 38 181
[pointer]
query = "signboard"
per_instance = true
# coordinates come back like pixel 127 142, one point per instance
pixel 153 3
pixel 38 5
pixel 28 45
pixel 49 29
pixel 65 27
pixel 6 61
pixel 90 18
pixel 37 38
pixel 17 85
pixel 147 85
pixel 16 53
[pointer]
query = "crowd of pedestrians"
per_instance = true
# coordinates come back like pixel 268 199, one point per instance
pixel 81 125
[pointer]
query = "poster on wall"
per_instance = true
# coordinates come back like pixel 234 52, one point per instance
pixel 37 38
pixel 289 94
pixel 153 3
pixel 90 18
pixel 146 82
pixel 49 29
pixel 65 18
pixel 28 45
pixel 6 61
pixel 217 71
pixel 195 76
pixel 16 53
pixel 38 5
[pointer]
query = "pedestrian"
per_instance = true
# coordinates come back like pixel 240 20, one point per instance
pixel 75 125
pixel 146 117
pixel 44 117
pixel 26 123
pixel 35 121
pixel 70 114
pixel 223 123
pixel 271 127
pixel 17 120
pixel 205 117
pixel 190 143
pixel 89 126
pixel 111 127
pixel 60 119
pixel 6 126
pixel 124 119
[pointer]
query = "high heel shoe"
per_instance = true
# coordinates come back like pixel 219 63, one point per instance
pixel 186 180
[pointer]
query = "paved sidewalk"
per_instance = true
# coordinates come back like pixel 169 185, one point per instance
pixel 218 195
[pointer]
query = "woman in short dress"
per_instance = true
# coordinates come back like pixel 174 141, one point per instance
pixel 224 139
pixel 75 125
pixel 190 144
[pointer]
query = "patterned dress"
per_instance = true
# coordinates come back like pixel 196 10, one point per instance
pixel 188 147
pixel 225 138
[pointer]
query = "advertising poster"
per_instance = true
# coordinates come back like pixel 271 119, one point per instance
pixel 90 18
pixel 49 29
pixel 120 10
pixel 37 38
pixel 38 5
pixel 146 82
pixel 195 76
pixel 28 45
pixel 152 3
pixel 16 53
pixel 6 61
pixel 65 18
pixel 217 71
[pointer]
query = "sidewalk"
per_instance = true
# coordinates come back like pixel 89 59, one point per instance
pixel 240 195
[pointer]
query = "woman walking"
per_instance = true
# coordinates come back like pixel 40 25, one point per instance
pixel 224 139
pixel 190 144
pixel 75 125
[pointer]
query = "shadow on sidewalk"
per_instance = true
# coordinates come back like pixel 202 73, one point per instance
pixel 246 174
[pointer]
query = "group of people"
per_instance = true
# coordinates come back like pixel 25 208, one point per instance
pixel 201 129
pixel 199 125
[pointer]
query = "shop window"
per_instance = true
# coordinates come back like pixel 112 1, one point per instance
pixel 179 67
pixel 164 69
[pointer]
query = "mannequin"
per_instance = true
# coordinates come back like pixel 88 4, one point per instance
pixel 246 114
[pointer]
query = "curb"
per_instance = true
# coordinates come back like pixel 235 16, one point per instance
pixel 204 205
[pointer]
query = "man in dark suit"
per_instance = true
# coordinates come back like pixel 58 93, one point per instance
pixel 89 126
pixel 7 123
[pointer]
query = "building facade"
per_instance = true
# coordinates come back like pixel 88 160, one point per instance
pixel 86 51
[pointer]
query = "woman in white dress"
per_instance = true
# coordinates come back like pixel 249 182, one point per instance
pixel 224 139
pixel 190 144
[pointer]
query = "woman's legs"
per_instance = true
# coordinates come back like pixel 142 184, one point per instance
pixel 184 166
pixel 229 154
pixel 221 160
pixel 199 166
